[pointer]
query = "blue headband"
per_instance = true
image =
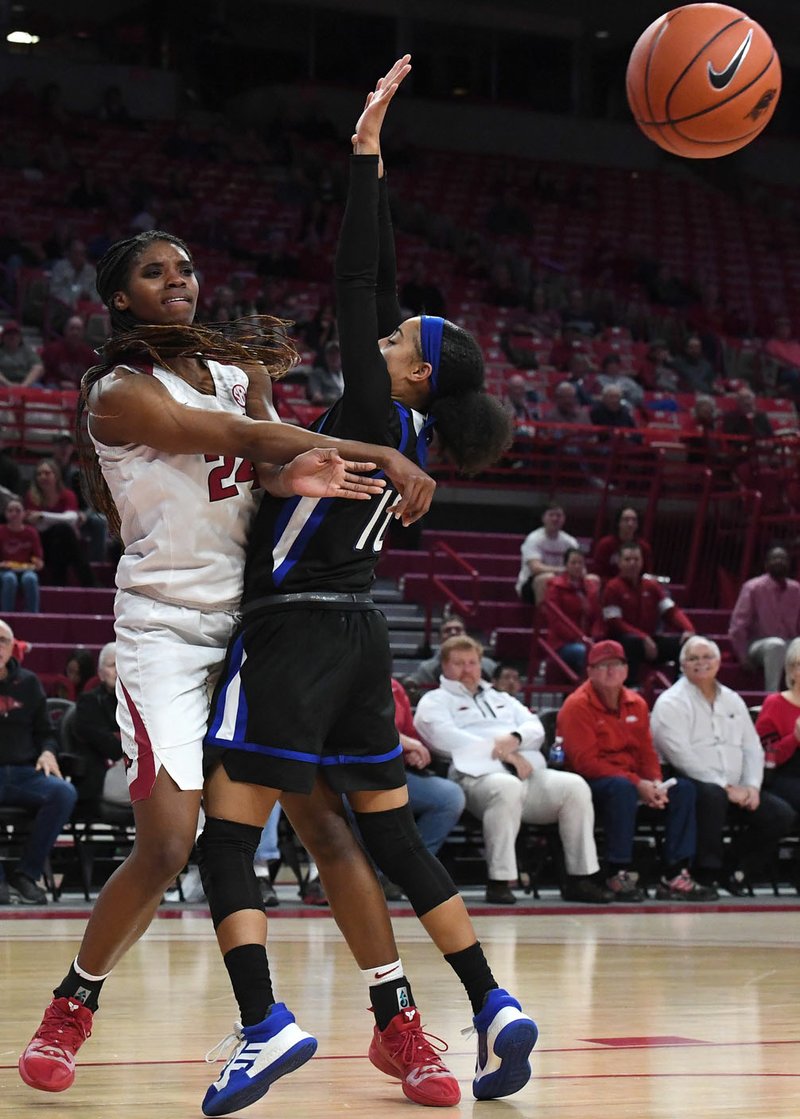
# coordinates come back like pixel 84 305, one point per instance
pixel 430 334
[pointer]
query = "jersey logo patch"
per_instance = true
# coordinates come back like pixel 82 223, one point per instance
pixel 239 394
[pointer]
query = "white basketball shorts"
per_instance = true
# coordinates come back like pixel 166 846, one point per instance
pixel 168 658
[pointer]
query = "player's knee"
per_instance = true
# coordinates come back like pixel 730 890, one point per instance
pixel 225 853
pixel 162 860
pixel 395 844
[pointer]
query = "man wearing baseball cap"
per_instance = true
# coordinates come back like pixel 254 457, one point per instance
pixel 607 740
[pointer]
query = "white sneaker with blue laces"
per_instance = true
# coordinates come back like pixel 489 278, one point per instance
pixel 261 1054
pixel 506 1037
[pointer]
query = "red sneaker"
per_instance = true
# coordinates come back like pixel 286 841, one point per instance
pixel 403 1050
pixel 48 1062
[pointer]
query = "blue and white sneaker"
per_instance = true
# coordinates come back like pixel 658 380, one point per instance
pixel 505 1039
pixel 262 1054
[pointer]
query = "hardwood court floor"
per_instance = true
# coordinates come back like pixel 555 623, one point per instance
pixel 643 1015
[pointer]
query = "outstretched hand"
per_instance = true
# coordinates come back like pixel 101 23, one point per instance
pixel 319 473
pixel 367 134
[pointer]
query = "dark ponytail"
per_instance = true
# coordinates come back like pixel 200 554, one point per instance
pixel 472 427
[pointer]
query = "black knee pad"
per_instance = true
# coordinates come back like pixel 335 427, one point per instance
pixel 225 853
pixel 396 846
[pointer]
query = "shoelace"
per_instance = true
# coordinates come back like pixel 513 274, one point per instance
pixel 225 1049
pixel 418 1041
pixel 59 1027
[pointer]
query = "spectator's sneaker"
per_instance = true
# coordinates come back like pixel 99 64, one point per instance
pixel 262 1054
pixel 26 889
pixel 587 890
pixel 404 1051
pixel 505 1039
pixel 5 893
pixel 312 893
pixel 737 885
pixel 268 895
pixel 684 888
pixel 48 1062
pixel 623 886
pixel 500 893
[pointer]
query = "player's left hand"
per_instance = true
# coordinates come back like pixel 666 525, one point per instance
pixel 324 473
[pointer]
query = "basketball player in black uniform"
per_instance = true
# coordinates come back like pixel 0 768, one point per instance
pixel 305 704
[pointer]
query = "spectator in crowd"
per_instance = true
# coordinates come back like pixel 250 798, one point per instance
pixel 437 802
pixel 784 349
pixel 29 772
pixel 606 731
pixel 520 401
pixel 577 312
pixel 95 732
pixel 660 373
pixel 577 600
pixel 542 554
pixel 21 560
pixel 766 618
pixel 325 381
pixel 72 280
pixel 704 731
pixel 52 508
pixel 428 672
pixel 565 408
pixel 419 294
pixel 605 555
pixel 92 526
pixel 19 363
pixel 494 744
pixel 611 373
pixel 611 411
pixel 635 610
pixel 694 368
pixel 506 678
pixel 746 419
pixel 80 669
pixel 702 438
pixel 66 359
pixel 778 725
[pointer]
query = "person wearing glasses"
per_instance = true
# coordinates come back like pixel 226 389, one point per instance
pixel 606 731
pixel 704 731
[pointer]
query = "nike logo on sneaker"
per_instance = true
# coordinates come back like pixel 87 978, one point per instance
pixel 720 79
pixel 383 974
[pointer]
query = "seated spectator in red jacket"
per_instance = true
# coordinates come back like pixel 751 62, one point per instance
pixel 635 611
pixel 67 359
pixel 606 731
pixel 746 419
pixel 778 726
pixel 605 556
pixel 578 600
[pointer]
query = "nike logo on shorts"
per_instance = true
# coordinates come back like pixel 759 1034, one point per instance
pixel 721 79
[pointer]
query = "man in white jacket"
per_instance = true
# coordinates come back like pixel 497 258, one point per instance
pixel 494 744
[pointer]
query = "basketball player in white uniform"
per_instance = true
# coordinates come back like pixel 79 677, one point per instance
pixel 176 448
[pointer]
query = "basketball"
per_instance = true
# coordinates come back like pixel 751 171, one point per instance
pixel 703 80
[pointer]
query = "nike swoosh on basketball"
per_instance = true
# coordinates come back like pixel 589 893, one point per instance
pixel 382 974
pixel 720 79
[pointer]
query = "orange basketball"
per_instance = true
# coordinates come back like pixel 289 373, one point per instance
pixel 703 80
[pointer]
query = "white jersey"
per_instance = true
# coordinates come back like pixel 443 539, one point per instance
pixel 184 518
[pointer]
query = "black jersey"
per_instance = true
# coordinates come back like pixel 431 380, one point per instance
pixel 305 544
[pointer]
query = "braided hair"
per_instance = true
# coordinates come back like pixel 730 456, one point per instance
pixel 137 344
pixel 473 428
